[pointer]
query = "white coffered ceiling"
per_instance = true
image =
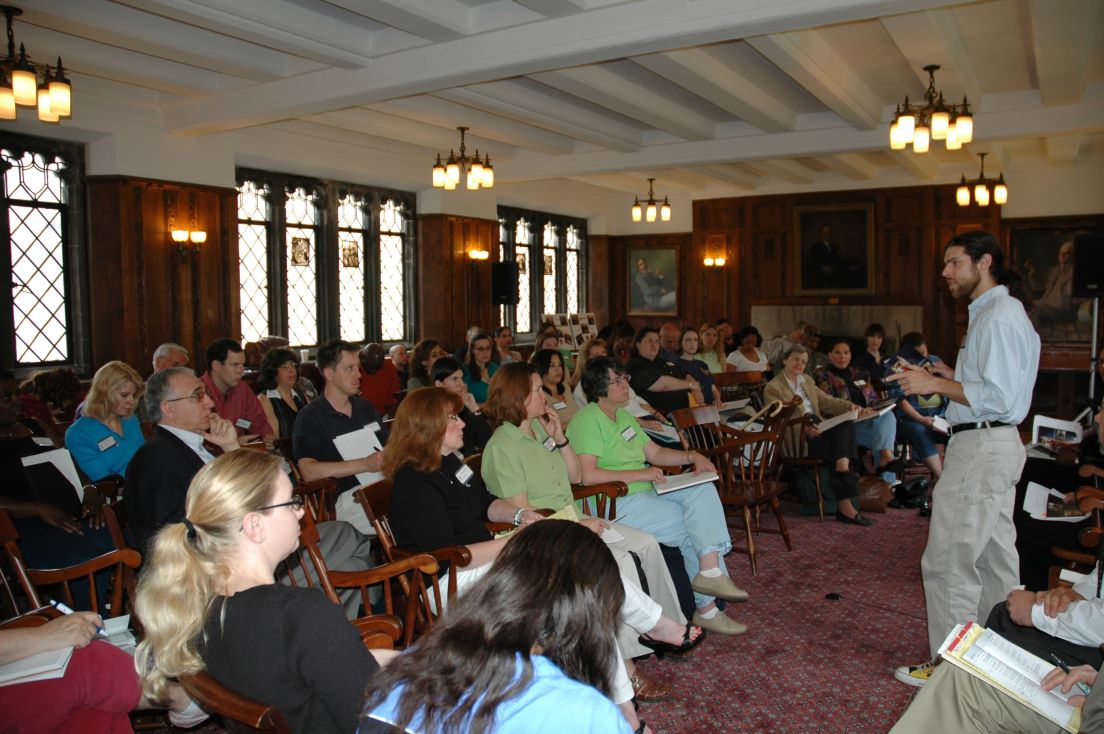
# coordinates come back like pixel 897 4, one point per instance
pixel 709 96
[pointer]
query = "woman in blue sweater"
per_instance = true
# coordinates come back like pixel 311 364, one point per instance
pixel 103 440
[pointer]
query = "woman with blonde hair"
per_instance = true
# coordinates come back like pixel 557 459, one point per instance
pixel 208 600
pixel 711 350
pixel 103 440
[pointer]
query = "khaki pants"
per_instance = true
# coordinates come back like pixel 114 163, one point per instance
pixel 970 563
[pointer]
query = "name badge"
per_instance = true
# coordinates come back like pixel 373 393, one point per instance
pixel 374 427
pixel 549 443
pixel 560 405
pixel 464 474
pixel 860 383
pixel 243 424
pixel 628 434
pixel 107 443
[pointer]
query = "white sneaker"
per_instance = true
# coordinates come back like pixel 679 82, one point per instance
pixel 914 675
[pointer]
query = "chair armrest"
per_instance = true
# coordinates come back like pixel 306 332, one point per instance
pixel 423 562
pixel 457 555
pixel 610 489
pixel 127 556
pixel 379 631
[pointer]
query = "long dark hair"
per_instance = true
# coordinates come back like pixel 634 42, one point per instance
pixel 978 243
pixel 542 358
pixel 421 354
pixel 473 369
pixel 555 585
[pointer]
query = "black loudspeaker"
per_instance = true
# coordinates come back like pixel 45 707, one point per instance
pixel 1088 265
pixel 504 283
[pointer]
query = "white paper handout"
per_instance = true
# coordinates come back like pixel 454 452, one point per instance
pixel 1048 435
pixel 358 444
pixel 682 481
pixel 64 463
pixel 1035 501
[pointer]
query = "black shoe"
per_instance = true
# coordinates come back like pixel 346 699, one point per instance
pixel 896 466
pixel 858 519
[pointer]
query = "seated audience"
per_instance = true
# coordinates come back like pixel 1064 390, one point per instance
pixel 306 387
pixel 659 381
pixel 338 411
pixel 711 350
pixel 158 475
pixel 550 369
pixel 550 338
pixel 612 447
pixel 480 366
pixel 379 380
pixel 233 399
pixel 747 356
pixel 841 380
pixel 530 637
pixel 400 358
pixel 669 341
pixel 51 395
pixel 448 373
pixel 776 347
pixel 96 692
pixel 871 360
pixel 208 601
pixel 835 446
pixel 280 397
pixel 645 414
pixel 426 352
pixel 461 354
pixel 916 413
pixel 689 360
pixel 104 439
pixel 595 346
pixel 504 341
pixel 729 342
pixel 50 536
pixel 169 354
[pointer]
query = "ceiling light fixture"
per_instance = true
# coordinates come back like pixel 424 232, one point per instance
pixel 918 125
pixel 648 209
pixel 475 172
pixel 981 185
pixel 20 85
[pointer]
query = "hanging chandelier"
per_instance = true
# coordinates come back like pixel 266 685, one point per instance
pixel 649 213
pixel 20 85
pixel 918 125
pixel 477 173
pixel 981 188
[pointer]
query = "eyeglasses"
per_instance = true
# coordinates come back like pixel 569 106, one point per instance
pixel 295 503
pixel 453 418
pixel 619 380
pixel 197 396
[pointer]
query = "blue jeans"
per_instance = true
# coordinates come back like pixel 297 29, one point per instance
pixel 46 546
pixel 878 434
pixel 920 436
pixel 690 519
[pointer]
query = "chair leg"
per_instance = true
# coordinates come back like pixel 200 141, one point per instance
pixel 782 529
pixel 750 538
pixel 820 495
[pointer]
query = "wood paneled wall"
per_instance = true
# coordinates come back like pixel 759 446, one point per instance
pixel 142 291
pixel 911 225
pixel 454 291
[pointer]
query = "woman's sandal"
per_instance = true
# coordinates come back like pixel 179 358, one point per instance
pixel 646 690
pixel 688 642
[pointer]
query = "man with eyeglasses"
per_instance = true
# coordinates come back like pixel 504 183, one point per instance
pixel 158 476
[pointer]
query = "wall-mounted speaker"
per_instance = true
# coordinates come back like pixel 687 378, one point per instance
pixel 504 283
pixel 1088 265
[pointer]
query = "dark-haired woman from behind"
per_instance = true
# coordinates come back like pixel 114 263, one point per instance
pixel 449 374
pixel 526 650
pixel 280 396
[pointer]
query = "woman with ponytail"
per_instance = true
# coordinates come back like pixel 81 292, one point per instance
pixel 208 601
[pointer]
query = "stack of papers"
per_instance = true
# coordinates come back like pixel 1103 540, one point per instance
pixel 1036 498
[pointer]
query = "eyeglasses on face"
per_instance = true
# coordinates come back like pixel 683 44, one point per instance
pixel 453 418
pixel 295 503
pixel 618 380
pixel 197 396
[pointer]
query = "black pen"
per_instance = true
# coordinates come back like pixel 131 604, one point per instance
pixel 1065 669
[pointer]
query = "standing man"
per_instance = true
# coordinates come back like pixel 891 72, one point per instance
pixel 970 563
pixel 233 399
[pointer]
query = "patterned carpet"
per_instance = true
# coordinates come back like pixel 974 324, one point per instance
pixel 809 664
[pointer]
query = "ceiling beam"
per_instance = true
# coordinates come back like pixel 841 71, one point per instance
pixel 602 85
pixel 1063 42
pixel 554 8
pixel 854 166
pixel 808 59
pixel 408 132
pixel 935 38
pixel 732 88
pixel 732 175
pixel 617 182
pixel 523 100
pixel 439 21
pixel 613 32
pixel 788 170
pixel 1063 150
pixel 922 166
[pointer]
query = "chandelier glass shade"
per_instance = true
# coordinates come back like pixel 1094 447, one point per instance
pixel 982 187
pixel 648 210
pixel 22 86
pixel 920 124
pixel 476 173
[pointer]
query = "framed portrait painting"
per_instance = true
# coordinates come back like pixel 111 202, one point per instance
pixel 653 281
pixel 833 249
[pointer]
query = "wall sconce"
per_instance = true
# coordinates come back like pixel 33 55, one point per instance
pixel 716 251
pixel 714 262
pixel 181 236
pixel 478 254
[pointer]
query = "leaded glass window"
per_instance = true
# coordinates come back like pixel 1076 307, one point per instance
pixel 523 238
pixel 392 271
pixel 34 200
pixel 253 223
pixel 351 234
pixel 548 269
pixel 302 267
pixel 572 276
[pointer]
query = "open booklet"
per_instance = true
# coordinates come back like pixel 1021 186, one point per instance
pixel 53 663
pixel 1010 669
pixel 1049 505
pixel 676 482
pixel 1050 435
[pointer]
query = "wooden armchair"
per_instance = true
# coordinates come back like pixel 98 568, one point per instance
pixel 123 560
pixel 410 572
pixel 739 385
pixel 283 446
pixel 1090 499
pixel 795 447
pixel 604 496
pixel 319 498
pixel 239 714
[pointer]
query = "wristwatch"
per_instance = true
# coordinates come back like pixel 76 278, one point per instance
pixel 517 517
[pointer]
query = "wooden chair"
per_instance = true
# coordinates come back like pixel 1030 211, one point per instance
pixel 375 499
pixel 283 446
pixel 1091 500
pixel 239 714
pixel 475 463
pixel 794 449
pixel 410 572
pixel 740 385
pixel 123 560
pixel 319 498
pixel 604 497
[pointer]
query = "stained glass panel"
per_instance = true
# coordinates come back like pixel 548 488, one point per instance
pixel 350 236
pixel 391 272
pixel 502 316
pixel 302 280
pixel 548 271
pixel 571 270
pixel 522 238
pixel 37 254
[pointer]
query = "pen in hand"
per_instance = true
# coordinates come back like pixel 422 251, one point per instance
pixel 65 609
pixel 1065 669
